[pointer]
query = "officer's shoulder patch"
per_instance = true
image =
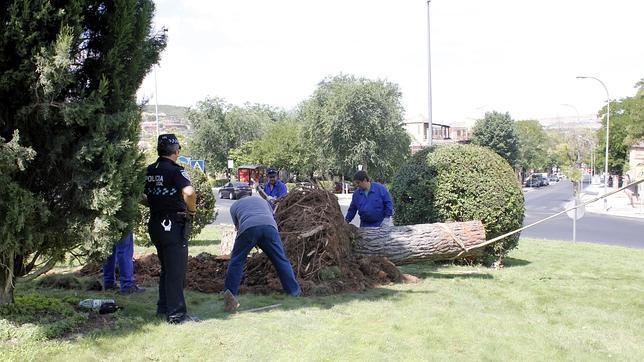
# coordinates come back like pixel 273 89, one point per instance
pixel 185 175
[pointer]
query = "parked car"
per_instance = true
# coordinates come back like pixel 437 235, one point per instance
pixel 233 190
pixel 533 181
pixel 348 185
pixel 544 180
pixel 553 178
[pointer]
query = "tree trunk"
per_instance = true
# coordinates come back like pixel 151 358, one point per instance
pixel 228 235
pixel 411 243
pixel 6 278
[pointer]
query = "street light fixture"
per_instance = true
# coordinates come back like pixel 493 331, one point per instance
pixel 607 130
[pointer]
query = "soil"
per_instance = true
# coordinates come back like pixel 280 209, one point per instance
pixel 317 241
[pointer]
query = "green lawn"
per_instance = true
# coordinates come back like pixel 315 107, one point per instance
pixel 553 301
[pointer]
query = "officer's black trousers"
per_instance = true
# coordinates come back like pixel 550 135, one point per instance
pixel 172 250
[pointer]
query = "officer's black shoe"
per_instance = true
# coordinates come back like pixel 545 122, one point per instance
pixel 135 289
pixel 183 319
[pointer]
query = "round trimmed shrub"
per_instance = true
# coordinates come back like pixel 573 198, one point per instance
pixel 461 183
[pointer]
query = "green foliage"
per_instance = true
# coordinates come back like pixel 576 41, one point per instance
pixel 626 129
pixel 290 186
pixel 70 75
pixel 461 183
pixel 54 317
pixel 497 131
pixel 20 211
pixel 636 113
pixel 413 190
pixel 220 127
pixel 533 145
pixel 327 185
pixel 352 121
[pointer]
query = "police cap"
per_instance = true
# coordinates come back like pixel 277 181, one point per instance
pixel 167 139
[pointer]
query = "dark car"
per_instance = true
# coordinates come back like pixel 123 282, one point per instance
pixel 535 180
pixel 233 190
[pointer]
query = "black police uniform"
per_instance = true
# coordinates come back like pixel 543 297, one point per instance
pixel 164 182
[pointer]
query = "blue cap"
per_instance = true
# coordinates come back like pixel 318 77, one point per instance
pixel 271 172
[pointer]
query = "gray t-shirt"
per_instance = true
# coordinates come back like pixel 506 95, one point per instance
pixel 251 211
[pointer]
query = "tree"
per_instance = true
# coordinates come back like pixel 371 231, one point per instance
pixel 533 143
pixel 497 131
pixel 282 147
pixel 220 127
pixel 636 112
pixel 70 71
pixel 356 121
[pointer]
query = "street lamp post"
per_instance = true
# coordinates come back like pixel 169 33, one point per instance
pixel 607 131
pixel 430 130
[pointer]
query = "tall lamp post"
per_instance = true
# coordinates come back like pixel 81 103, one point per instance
pixel 430 130
pixel 607 130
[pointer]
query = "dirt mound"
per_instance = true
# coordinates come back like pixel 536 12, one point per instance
pixel 317 241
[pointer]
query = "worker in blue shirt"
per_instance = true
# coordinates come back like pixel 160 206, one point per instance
pixel 372 201
pixel 274 188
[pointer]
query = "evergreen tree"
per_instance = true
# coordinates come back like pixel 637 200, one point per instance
pixel 497 131
pixel 69 74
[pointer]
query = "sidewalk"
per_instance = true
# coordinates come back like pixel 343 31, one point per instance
pixel 618 204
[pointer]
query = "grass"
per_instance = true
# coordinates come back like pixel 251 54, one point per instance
pixel 207 241
pixel 553 301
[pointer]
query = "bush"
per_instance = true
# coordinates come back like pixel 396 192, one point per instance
pixel 290 186
pixel 461 183
pixel 220 182
pixel 327 185
pixel 205 208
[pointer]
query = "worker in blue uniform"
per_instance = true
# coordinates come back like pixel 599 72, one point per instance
pixel 121 257
pixel 173 203
pixel 274 188
pixel 256 226
pixel 371 201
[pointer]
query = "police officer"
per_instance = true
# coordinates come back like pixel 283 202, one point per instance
pixel 172 202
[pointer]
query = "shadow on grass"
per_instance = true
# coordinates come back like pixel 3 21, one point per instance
pixel 513 262
pixel 139 310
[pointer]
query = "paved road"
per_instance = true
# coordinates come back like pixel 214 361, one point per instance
pixel 541 203
pixel 595 228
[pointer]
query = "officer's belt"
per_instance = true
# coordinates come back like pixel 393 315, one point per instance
pixel 174 215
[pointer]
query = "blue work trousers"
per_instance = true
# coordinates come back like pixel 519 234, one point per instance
pixel 122 254
pixel 268 240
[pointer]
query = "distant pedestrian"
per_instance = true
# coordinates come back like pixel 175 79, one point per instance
pixel 122 254
pixel 371 201
pixel 253 219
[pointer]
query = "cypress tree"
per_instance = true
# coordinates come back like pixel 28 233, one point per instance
pixel 69 72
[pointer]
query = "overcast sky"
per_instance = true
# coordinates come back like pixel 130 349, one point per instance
pixel 519 56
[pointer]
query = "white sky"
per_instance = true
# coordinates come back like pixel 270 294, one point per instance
pixel 519 56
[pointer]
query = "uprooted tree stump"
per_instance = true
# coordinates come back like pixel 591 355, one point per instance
pixel 412 243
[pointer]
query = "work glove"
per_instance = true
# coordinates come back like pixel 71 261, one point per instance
pixel 271 199
pixel 387 223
